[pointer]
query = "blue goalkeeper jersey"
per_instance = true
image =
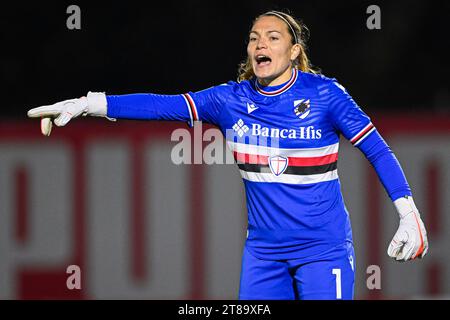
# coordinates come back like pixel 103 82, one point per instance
pixel 285 141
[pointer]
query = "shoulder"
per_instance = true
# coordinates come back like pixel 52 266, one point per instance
pixel 323 84
pixel 219 92
pixel 242 88
pixel 225 88
pixel 313 80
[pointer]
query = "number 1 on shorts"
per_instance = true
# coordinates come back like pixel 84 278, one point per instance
pixel 337 273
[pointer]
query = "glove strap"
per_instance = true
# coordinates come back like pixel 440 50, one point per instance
pixel 405 205
pixel 98 105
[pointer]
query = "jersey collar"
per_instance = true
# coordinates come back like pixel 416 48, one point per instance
pixel 276 90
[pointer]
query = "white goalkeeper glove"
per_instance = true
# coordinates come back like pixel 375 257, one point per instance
pixel 410 241
pixel 94 104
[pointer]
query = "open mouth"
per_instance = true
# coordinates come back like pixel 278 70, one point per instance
pixel 262 60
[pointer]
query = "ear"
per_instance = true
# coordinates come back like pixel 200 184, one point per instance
pixel 295 51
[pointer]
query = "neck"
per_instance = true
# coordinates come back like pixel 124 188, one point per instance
pixel 277 80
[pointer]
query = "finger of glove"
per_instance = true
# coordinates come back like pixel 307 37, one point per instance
pixel 63 119
pixel 394 248
pixel 46 126
pixel 408 250
pixel 425 248
pixel 71 109
pixel 399 239
pixel 423 240
pixel 45 111
pixel 423 253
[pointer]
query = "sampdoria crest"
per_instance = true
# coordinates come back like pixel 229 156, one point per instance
pixel 302 108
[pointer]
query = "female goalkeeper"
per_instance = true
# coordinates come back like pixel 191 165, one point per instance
pixel 286 121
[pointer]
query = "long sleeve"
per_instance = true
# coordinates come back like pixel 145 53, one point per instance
pixel 386 166
pixel 147 107
pixel 204 105
pixel 350 120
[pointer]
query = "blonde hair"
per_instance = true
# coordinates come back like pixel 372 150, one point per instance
pixel 302 62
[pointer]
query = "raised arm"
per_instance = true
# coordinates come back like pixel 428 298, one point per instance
pixel 132 106
pixel 204 105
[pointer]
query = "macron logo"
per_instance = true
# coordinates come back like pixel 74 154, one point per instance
pixel 251 107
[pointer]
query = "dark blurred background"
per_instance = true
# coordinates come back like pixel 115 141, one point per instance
pixel 176 46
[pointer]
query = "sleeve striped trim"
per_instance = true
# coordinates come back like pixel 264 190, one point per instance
pixel 193 114
pixel 363 134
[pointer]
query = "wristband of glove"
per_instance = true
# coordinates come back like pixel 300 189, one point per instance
pixel 97 105
pixel 405 205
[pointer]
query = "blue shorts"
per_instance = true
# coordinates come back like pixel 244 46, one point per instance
pixel 328 276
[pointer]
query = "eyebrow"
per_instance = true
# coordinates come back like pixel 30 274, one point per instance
pixel 266 32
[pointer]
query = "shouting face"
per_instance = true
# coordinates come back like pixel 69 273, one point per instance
pixel 271 50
